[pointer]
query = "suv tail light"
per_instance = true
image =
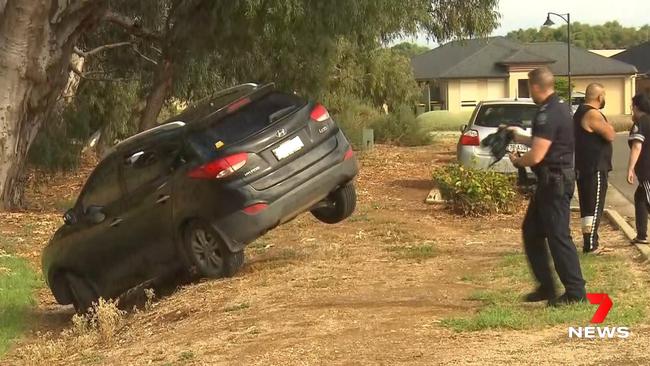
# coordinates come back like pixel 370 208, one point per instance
pixel 348 154
pixel 256 208
pixel 470 138
pixel 220 168
pixel 238 104
pixel 319 113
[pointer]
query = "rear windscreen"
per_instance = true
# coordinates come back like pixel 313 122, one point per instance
pixel 250 119
pixel 495 115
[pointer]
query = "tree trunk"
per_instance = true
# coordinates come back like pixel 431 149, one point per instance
pixel 162 84
pixel 36 42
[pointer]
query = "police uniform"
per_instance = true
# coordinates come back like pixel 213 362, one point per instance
pixel 593 164
pixel 548 215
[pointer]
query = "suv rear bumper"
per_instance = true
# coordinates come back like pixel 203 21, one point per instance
pixel 239 228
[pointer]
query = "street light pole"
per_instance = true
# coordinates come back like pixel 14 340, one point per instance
pixel 568 27
pixel 549 22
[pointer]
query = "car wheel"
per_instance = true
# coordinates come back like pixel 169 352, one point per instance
pixel 208 253
pixel 82 293
pixel 342 204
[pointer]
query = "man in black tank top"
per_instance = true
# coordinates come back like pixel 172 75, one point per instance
pixel 594 136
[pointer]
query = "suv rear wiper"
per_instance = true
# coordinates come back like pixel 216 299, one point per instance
pixel 281 113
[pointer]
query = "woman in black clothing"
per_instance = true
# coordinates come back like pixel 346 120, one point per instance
pixel 639 164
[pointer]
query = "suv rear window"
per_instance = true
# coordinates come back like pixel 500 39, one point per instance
pixel 252 118
pixel 498 114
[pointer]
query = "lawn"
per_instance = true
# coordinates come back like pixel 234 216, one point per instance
pixel 503 308
pixel 17 284
pixel 442 121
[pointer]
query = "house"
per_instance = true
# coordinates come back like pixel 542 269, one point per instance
pixel 460 74
pixel 639 56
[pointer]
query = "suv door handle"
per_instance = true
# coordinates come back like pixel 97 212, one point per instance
pixel 116 222
pixel 162 199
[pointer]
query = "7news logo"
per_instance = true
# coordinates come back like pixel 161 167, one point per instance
pixel 604 306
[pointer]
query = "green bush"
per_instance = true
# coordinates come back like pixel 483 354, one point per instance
pixel 352 115
pixel 399 128
pixel 97 106
pixel 475 192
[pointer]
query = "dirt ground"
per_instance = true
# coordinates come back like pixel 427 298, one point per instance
pixel 372 290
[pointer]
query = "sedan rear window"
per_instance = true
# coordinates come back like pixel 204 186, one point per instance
pixel 499 114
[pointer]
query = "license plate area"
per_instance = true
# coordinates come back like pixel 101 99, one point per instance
pixel 288 148
pixel 517 148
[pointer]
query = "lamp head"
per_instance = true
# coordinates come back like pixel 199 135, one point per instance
pixel 548 22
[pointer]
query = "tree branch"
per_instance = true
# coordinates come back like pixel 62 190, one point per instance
pixel 131 25
pixel 144 56
pixel 86 77
pixel 100 49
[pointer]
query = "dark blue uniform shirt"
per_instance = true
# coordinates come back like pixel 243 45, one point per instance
pixel 553 122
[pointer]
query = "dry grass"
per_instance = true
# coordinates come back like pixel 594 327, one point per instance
pixel 373 290
pixel 98 327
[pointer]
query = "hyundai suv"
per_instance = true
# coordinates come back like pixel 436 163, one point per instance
pixel 194 191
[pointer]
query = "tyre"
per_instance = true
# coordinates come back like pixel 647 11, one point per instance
pixel 82 292
pixel 342 203
pixel 208 254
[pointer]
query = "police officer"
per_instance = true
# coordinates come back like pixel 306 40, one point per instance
pixel 548 215
pixel 594 136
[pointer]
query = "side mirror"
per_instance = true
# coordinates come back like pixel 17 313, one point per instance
pixel 463 128
pixel 95 214
pixel 70 218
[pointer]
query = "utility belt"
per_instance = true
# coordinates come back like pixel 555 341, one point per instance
pixel 556 175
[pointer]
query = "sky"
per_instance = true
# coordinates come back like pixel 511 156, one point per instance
pixel 516 14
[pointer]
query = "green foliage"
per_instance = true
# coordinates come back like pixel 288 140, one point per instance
pixel 475 192
pixel 101 106
pixel 376 75
pixel 58 145
pixel 352 115
pixel 323 50
pixel 410 50
pixel 611 35
pixel 562 87
pixel 400 128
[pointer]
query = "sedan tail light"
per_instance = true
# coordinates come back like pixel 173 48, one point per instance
pixel 470 138
pixel 319 113
pixel 219 168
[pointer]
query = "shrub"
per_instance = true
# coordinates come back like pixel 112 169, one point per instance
pixel 400 128
pixel 475 192
pixel 352 115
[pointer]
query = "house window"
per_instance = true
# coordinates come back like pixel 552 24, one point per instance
pixel 522 88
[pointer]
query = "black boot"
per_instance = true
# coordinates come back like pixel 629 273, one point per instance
pixel 541 294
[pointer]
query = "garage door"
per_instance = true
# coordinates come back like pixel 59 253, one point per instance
pixel 496 89
pixel 468 94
